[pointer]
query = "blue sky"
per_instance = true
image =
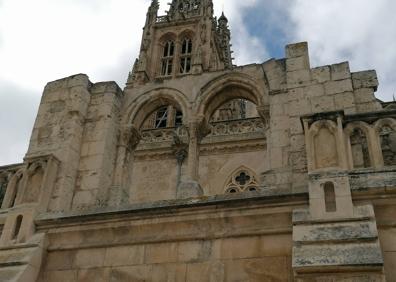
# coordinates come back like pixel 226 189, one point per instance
pixel 43 40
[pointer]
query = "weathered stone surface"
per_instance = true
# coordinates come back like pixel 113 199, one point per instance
pixel 204 171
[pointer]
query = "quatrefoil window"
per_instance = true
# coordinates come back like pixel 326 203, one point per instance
pixel 241 181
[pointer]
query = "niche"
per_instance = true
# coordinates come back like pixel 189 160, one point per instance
pixel 330 197
pixel 34 184
pixel 360 151
pixel 17 227
pixel 325 149
pixel 388 145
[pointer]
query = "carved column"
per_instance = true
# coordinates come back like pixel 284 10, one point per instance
pixel 128 140
pixel 193 157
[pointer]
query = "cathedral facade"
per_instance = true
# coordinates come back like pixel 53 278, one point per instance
pixel 201 170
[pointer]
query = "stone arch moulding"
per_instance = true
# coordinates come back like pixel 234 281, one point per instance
pixel 231 183
pixel 208 99
pixel 186 33
pixel 149 101
pixel 386 159
pixel 169 36
pixel 313 156
pixel 13 189
pixel 369 134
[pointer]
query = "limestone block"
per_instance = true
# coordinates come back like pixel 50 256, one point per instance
pixel 96 274
pixel 168 272
pixel 256 270
pixel 364 95
pixel 368 107
pixel 339 86
pixel 297 63
pixel 237 248
pixel 390 266
pixel 89 258
pixel 321 74
pixel 340 71
pixel 280 138
pixel 362 254
pixel 59 260
pixel 314 90
pixel 296 94
pixel 161 253
pixel 297 143
pixel 297 50
pixel 322 104
pixel 328 232
pixel 61 276
pixel 194 251
pixel 131 273
pixel 365 79
pixel 298 78
pixel 296 127
pixel 344 100
pixel 124 255
pixel 299 108
pixel 205 272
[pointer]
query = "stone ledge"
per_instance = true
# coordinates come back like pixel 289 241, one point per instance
pixel 172 206
pixel 335 232
pixel 335 255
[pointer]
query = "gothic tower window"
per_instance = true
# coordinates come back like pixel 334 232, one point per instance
pixel 161 118
pixel 388 145
pixel 360 151
pixel 167 58
pixel 185 56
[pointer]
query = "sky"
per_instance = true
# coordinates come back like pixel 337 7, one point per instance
pixel 44 40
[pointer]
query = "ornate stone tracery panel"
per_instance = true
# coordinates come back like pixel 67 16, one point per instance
pixel 242 180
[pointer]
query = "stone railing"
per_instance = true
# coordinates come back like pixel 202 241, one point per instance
pixel 162 135
pixel 162 19
pixel 237 127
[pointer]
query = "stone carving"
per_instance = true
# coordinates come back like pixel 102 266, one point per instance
pixel 242 180
pixel 388 145
pixel 360 150
pixel 237 127
pixel 162 135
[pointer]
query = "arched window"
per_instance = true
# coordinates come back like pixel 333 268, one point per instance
pixel 241 181
pixel 330 198
pixel 388 145
pixel 164 117
pixel 235 109
pixel 359 147
pixel 17 227
pixel 185 56
pixel 167 58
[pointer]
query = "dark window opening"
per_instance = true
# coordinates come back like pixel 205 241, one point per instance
pixel 330 197
pixel 161 118
pixel 17 227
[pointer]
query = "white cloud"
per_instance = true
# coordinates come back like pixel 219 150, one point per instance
pixel 360 31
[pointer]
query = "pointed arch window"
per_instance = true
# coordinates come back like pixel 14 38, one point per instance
pixel 167 58
pixel 185 56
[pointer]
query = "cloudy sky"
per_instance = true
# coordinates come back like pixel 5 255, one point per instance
pixel 43 40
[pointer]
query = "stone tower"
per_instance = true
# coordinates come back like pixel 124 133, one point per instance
pixel 200 170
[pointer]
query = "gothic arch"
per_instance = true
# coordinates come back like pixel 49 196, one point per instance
pixel 169 36
pixel 367 130
pixel 250 181
pixel 148 102
pixel 208 100
pixel 385 122
pixel 186 33
pixel 13 189
pixel 324 149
